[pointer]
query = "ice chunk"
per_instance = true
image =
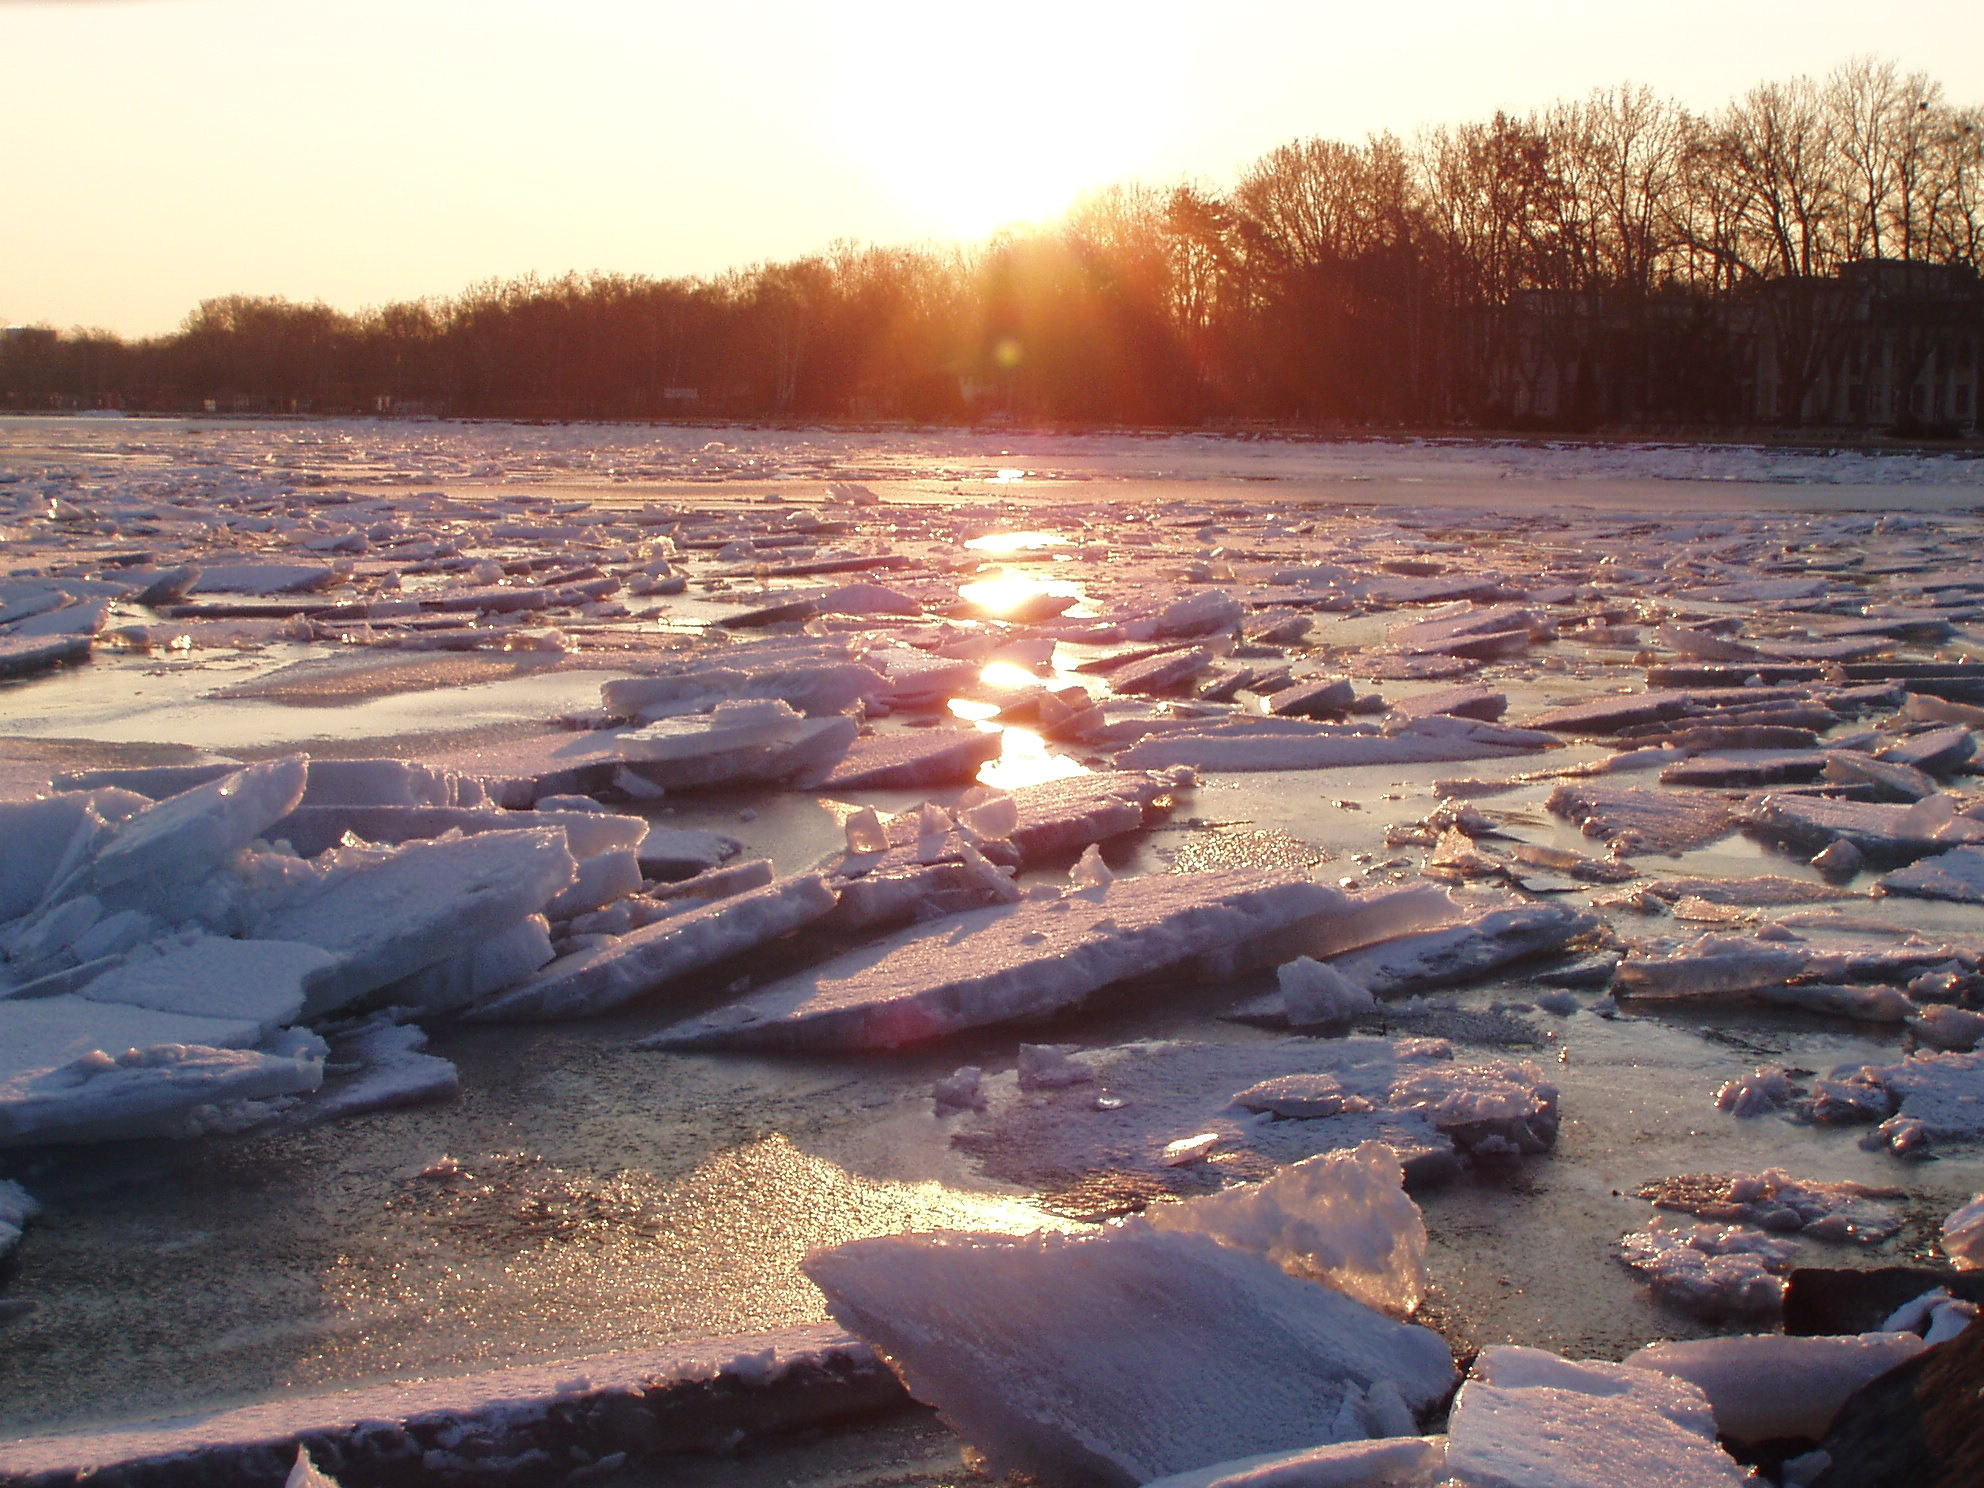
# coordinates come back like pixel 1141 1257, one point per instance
pixel 1531 1420
pixel 1121 1357
pixel 391 1070
pixel 256 981
pixel 1298 744
pixel 305 1474
pixel 428 903
pixel 502 960
pixel 1957 874
pixel 1009 962
pixel 1315 992
pixel 1963 1235
pixel 17 1207
pixel 59 1083
pixel 817 688
pixel 1774 1200
pixel 1768 1385
pixel 1765 1089
pixel 1711 1269
pixel 864 832
pixel 1342 1219
pixel 1090 874
pixel 594 981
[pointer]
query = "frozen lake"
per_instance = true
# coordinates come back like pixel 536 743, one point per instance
pixel 594 1196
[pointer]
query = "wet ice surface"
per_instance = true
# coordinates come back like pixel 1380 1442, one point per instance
pixel 449 594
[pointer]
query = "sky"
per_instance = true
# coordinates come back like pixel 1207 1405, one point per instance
pixel 162 152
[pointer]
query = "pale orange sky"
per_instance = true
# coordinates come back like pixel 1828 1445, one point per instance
pixel 166 151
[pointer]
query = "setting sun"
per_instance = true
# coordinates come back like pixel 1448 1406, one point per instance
pixel 974 119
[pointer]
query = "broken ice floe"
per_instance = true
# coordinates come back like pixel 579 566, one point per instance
pixel 1105 1144
pixel 1010 962
pixel 1134 1354
pixel 1774 1200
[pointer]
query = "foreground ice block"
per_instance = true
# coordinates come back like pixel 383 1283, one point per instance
pixel 1389 1462
pixel 78 1071
pixel 1009 962
pixel 1528 1419
pixel 1763 1385
pixel 626 966
pixel 430 902
pixel 1126 1356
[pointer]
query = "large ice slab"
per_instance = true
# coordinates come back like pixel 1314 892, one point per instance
pixel 628 966
pixel 1122 1357
pixel 430 902
pixel 1009 962
pixel 258 981
pixel 1527 1419
pixel 1764 1385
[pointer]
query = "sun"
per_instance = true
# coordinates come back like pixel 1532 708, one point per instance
pixel 972 118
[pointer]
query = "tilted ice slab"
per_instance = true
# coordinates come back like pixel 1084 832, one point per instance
pixel 1957 875
pixel 1444 956
pixel 595 981
pixel 1529 1419
pixel 909 760
pixel 1342 1219
pixel 185 837
pixel 1643 821
pixel 1765 1385
pixel 1880 831
pixel 430 902
pixel 1126 1356
pixel 1009 962
pixel 1298 744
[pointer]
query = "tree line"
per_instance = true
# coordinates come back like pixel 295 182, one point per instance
pixel 1356 284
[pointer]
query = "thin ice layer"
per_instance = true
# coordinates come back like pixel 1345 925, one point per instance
pixel 1121 1357
pixel 1008 962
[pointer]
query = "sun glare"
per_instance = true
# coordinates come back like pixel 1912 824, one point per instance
pixel 972 119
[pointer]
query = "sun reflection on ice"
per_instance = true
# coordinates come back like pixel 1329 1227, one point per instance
pixel 1016 542
pixel 1018 596
pixel 1025 759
